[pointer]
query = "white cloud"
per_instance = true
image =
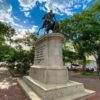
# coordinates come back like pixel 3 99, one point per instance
pixel 22 32
pixel 27 4
pixel 86 2
pixel 27 14
pixel 58 6
pixel 77 6
pixel 6 15
pixel 16 18
pixel 22 35
pixel 64 6
pixel 25 21
pixel 33 29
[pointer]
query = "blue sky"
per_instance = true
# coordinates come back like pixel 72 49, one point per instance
pixel 25 15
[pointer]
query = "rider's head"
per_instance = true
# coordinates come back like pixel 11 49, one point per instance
pixel 51 11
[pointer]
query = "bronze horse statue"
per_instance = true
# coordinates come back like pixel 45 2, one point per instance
pixel 54 26
pixel 50 23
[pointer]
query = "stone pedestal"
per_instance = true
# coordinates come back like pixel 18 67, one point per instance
pixel 48 78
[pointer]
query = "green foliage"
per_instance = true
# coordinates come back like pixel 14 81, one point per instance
pixel 6 52
pixel 1 40
pixel 21 60
pixel 18 59
pixel 6 31
pixel 84 31
pixel 70 56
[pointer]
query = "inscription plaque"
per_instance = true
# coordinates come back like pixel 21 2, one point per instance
pixel 39 53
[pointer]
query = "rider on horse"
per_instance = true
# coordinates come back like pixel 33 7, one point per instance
pixel 48 18
pixel 50 22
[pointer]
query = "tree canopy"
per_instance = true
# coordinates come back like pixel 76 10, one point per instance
pixel 83 30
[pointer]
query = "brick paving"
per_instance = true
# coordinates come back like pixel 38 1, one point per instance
pixel 9 88
pixel 89 83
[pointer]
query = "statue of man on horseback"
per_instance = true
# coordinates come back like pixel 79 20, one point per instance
pixel 50 22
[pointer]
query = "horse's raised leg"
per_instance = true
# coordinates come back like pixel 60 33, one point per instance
pixel 46 31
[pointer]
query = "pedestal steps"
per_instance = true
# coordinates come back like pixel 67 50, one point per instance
pixel 69 91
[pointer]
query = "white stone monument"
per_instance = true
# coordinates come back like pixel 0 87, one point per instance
pixel 48 79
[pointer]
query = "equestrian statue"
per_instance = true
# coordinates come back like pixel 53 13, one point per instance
pixel 49 23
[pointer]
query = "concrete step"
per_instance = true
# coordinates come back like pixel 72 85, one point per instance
pixel 29 92
pixel 71 91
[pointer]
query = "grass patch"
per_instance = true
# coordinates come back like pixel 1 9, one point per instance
pixel 86 74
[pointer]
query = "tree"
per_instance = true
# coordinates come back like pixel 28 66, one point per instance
pixel 6 31
pixel 69 56
pixel 72 31
pixel 16 56
pixel 94 40
pixel 84 30
pixel 5 34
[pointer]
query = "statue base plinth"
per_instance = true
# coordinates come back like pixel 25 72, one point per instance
pixel 36 90
pixel 47 77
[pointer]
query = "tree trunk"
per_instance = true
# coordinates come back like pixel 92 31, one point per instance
pixel 71 66
pixel 84 63
pixel 79 47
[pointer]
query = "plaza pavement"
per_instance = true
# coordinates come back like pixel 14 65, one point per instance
pixel 92 83
pixel 10 89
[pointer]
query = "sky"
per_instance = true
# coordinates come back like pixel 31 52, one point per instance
pixel 26 15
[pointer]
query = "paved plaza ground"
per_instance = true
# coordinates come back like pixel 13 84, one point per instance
pixel 92 83
pixel 10 90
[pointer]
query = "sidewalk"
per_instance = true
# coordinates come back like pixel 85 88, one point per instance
pixel 89 83
pixel 9 88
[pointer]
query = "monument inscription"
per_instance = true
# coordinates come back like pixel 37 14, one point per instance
pixel 39 53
